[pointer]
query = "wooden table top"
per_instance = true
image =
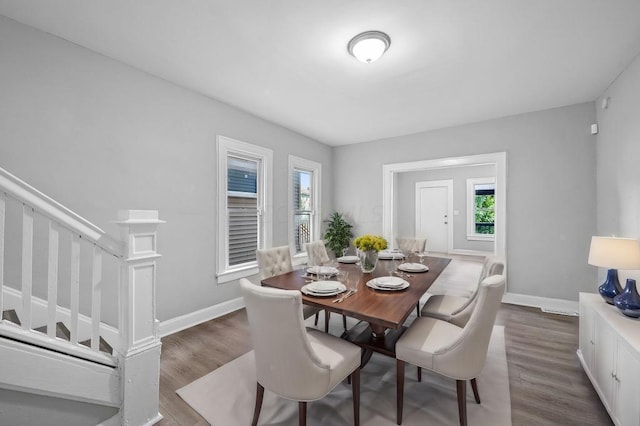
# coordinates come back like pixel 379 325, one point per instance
pixel 387 309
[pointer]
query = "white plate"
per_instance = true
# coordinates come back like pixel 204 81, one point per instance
pixel 323 288
pixel 348 259
pixel 387 255
pixel 413 267
pixel 388 283
pixel 325 270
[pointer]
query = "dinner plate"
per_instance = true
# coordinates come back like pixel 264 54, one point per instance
pixel 413 267
pixel 388 255
pixel 348 259
pixel 323 288
pixel 322 270
pixel 388 283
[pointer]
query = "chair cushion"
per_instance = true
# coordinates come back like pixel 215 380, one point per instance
pixel 338 355
pixel 443 306
pixel 424 339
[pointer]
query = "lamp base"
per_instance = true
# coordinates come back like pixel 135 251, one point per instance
pixel 629 301
pixel 611 287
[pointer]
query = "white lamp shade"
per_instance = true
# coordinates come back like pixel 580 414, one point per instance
pixel 614 253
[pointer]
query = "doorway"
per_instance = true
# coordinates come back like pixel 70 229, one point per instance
pixel 498 159
pixel 434 209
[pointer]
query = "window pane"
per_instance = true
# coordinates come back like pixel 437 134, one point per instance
pixel 302 231
pixel 242 208
pixel 302 208
pixel 484 209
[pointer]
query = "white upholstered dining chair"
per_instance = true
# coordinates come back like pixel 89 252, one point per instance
pixel 293 362
pixel 452 351
pixel 458 309
pixel 316 256
pixel 276 261
pixel 411 245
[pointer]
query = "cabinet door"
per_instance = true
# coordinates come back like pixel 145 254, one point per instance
pixel 586 334
pixel 627 383
pixel 605 340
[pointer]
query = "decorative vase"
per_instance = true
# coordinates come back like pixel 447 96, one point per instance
pixel 611 287
pixel 628 301
pixel 368 260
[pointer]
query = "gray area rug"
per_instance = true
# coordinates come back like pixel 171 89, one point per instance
pixel 226 396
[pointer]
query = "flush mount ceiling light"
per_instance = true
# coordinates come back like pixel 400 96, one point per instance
pixel 369 46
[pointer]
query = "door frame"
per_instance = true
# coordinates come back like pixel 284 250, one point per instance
pixel 448 183
pixel 499 159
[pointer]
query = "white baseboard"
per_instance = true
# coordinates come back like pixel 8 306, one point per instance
pixel 194 318
pixel 471 252
pixel 547 304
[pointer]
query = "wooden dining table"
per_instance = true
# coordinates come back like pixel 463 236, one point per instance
pixel 381 313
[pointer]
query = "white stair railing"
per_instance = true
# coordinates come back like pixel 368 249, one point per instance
pixel 73 265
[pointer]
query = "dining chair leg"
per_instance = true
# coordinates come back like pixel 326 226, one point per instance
pixel 418 308
pixel 317 318
pixel 399 390
pixel 474 386
pixel 344 322
pixel 419 373
pixel 258 407
pixel 461 386
pixel 355 389
pixel 327 316
pixel 302 413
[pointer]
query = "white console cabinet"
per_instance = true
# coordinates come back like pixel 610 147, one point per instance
pixel 610 354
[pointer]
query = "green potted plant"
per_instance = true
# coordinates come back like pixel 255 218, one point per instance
pixel 338 234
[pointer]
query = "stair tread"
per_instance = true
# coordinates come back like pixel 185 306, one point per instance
pixel 104 346
pixel 62 332
pixel 11 315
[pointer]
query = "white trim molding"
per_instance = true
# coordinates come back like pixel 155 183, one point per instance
pixel 547 304
pixel 198 317
pixel 499 159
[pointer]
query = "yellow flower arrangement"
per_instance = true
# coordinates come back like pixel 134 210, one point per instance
pixel 370 242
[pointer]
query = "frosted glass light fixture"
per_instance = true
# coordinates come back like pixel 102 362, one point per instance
pixel 369 46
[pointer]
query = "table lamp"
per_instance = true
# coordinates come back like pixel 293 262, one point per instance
pixel 613 253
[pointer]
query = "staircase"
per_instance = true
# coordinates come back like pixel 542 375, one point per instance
pixel 79 339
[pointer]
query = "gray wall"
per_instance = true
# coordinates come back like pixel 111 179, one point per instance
pixel 98 136
pixel 551 214
pixel 618 167
pixel 406 202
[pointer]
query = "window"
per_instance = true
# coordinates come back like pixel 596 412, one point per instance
pixel 304 203
pixel 244 219
pixel 481 209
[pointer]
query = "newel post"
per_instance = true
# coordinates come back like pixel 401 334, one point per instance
pixel 140 343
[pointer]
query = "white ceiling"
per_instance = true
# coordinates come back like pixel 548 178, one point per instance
pixel 450 61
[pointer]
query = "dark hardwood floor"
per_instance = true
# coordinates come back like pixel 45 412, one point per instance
pixel 547 383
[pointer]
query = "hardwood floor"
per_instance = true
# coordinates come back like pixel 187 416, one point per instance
pixel 547 383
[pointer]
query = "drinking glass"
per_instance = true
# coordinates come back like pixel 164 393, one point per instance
pixel 353 279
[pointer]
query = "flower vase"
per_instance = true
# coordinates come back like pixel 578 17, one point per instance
pixel 628 302
pixel 368 260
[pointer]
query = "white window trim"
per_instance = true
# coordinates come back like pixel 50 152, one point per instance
pixel 315 168
pixel 471 223
pixel 226 146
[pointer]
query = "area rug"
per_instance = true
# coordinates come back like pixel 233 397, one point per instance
pixel 226 396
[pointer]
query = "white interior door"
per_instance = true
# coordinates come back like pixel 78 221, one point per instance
pixel 434 206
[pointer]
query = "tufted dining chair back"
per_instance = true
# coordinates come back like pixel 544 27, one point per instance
pixel 412 245
pixel 274 261
pixel 316 252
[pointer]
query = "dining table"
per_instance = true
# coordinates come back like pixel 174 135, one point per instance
pixel 381 313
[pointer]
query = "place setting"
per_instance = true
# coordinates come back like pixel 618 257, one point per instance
pixel 323 288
